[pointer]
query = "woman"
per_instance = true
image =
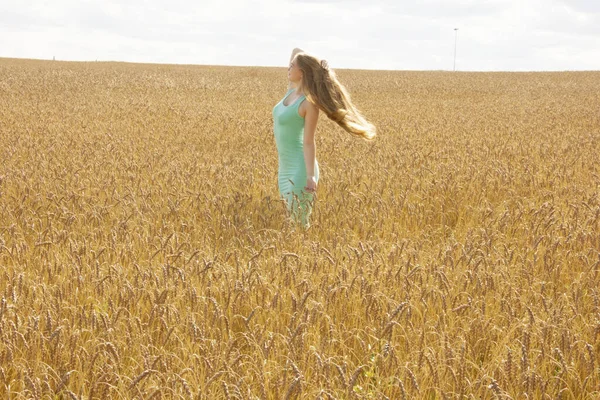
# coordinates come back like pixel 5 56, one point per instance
pixel 295 123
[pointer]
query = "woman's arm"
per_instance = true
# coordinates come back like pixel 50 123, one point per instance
pixel 310 147
pixel 294 52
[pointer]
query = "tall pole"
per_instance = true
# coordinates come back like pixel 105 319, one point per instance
pixel 455 39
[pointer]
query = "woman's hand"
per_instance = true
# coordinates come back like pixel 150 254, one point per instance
pixel 311 184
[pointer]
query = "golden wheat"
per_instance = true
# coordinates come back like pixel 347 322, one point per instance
pixel 145 252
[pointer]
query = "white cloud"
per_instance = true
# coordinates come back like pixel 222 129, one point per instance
pixel 381 34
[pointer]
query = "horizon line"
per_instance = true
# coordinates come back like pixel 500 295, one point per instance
pixel 282 66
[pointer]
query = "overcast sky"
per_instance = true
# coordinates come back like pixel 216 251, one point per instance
pixel 493 35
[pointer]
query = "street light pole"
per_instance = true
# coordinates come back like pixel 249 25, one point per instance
pixel 455 39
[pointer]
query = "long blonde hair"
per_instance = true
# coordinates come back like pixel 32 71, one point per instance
pixel 321 87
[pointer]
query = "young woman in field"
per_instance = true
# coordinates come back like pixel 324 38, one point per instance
pixel 295 124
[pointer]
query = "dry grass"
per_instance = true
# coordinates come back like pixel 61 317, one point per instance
pixel 144 252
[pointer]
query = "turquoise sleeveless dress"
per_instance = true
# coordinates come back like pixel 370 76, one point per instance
pixel 288 127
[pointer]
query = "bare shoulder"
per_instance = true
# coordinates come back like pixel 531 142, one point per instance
pixel 306 107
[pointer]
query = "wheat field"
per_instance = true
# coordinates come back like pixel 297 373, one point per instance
pixel 145 254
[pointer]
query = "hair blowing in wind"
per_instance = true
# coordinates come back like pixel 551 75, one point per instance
pixel 322 88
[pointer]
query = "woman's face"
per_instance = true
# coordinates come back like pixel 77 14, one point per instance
pixel 294 73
